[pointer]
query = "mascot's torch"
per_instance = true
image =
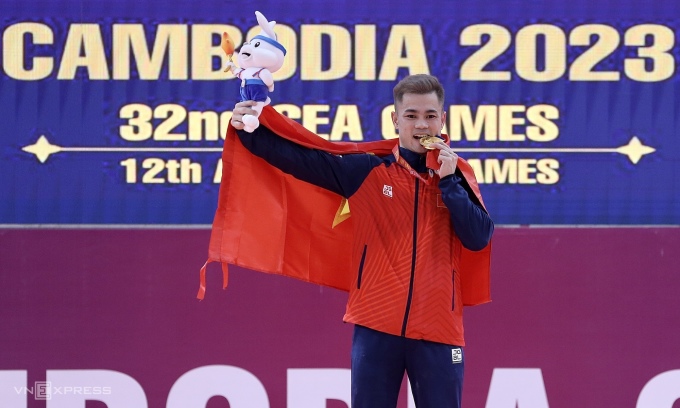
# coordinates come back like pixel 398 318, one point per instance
pixel 228 48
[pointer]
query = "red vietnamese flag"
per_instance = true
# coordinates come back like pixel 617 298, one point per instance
pixel 271 222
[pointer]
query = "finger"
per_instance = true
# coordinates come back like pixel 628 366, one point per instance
pixel 241 111
pixel 246 103
pixel 244 107
pixel 446 154
pixel 236 123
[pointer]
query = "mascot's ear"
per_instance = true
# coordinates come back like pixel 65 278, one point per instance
pixel 266 26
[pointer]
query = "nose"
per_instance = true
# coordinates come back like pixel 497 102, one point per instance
pixel 421 124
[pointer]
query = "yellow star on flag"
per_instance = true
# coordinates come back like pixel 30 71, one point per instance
pixel 343 212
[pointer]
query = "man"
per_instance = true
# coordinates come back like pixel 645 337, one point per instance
pixel 411 223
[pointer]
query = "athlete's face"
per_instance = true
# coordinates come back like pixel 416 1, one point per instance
pixel 417 116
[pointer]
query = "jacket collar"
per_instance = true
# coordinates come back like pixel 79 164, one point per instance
pixel 415 160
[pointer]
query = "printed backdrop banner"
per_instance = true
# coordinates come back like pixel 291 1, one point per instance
pixel 578 319
pixel 115 112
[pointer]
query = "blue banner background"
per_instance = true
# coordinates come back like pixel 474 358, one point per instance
pixel 89 187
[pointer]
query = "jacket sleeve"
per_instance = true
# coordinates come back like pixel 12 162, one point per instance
pixel 340 174
pixel 470 221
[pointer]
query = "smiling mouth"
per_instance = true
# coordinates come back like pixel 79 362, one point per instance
pixel 246 54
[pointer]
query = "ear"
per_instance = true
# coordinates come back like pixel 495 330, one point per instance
pixel 394 119
pixel 266 26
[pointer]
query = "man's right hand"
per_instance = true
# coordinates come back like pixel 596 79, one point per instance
pixel 242 108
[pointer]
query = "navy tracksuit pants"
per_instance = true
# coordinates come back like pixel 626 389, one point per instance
pixel 379 360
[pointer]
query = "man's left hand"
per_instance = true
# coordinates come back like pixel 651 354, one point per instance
pixel 447 158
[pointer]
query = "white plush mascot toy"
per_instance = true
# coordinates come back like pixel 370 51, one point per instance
pixel 258 58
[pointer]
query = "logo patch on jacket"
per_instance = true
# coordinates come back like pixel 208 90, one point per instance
pixel 387 190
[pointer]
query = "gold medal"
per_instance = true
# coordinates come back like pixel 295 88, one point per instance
pixel 428 141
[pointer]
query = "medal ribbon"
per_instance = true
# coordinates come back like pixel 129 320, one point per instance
pixel 403 163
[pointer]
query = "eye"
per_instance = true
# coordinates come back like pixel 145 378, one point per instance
pixel 257 44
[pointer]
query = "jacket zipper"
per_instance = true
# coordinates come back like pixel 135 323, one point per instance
pixel 413 260
pixel 453 290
